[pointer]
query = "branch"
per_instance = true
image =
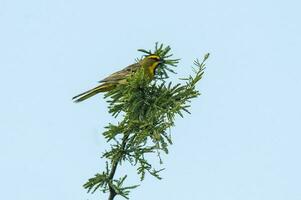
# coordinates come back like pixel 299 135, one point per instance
pixel 113 193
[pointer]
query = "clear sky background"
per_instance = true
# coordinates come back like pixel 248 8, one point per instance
pixel 242 140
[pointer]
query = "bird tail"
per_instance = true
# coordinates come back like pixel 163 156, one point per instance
pixel 85 95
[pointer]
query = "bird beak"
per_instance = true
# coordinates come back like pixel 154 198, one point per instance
pixel 161 61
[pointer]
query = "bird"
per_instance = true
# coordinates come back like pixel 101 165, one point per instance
pixel 149 63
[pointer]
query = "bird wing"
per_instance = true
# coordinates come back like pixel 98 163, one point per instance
pixel 122 74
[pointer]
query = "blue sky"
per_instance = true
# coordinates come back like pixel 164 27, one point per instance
pixel 242 140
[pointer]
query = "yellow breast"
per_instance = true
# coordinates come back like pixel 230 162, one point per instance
pixel 151 70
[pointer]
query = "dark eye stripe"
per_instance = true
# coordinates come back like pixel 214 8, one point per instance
pixel 154 57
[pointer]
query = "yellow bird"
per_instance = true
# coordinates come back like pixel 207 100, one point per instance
pixel 149 63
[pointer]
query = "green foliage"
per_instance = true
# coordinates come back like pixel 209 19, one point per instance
pixel 148 110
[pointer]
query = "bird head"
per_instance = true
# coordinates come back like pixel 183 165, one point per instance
pixel 152 62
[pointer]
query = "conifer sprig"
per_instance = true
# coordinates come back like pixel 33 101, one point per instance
pixel 147 111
